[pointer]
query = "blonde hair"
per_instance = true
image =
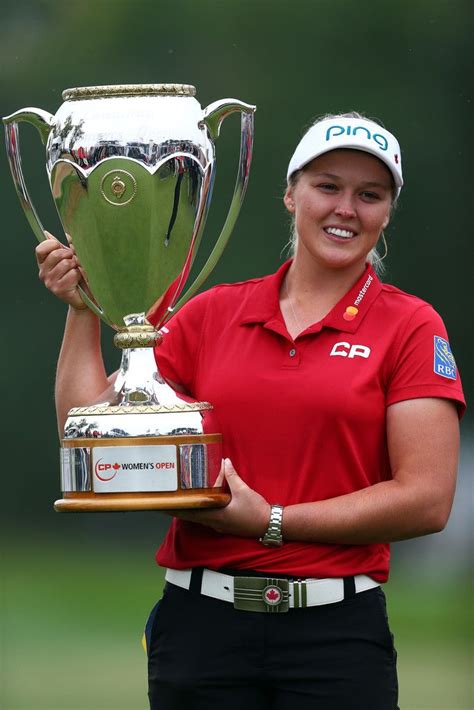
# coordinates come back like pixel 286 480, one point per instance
pixel 373 256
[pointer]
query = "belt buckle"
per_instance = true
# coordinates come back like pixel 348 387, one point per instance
pixel 262 594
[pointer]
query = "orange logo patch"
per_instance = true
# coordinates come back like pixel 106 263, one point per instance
pixel 351 312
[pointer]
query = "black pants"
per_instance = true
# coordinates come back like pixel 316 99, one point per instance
pixel 205 655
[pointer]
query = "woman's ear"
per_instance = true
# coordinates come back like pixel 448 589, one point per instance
pixel 288 200
pixel 386 221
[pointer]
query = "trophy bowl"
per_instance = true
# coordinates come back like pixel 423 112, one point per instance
pixel 131 170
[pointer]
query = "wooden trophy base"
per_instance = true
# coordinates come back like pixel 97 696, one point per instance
pixel 88 486
pixel 79 502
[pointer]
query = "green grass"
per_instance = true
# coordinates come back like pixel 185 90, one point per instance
pixel 73 616
pixel 432 622
pixel 72 625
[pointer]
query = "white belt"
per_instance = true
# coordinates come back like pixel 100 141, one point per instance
pixel 269 593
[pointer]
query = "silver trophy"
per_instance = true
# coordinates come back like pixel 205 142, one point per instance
pixel 131 170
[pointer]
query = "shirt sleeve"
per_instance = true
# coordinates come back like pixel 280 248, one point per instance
pixel 424 365
pixel 177 353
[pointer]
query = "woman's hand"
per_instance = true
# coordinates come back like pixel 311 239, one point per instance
pixel 247 514
pixel 60 271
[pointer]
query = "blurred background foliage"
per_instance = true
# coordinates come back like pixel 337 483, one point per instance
pixel 76 589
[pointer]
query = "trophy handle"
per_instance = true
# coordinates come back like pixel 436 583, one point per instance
pixel 43 122
pixel 213 116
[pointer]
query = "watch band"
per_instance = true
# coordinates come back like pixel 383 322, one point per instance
pixel 273 536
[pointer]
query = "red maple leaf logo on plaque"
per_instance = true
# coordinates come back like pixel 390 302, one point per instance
pixel 116 466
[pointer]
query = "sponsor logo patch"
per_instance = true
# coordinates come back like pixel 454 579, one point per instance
pixel 123 469
pixel 444 363
pixel 335 130
pixel 350 313
pixel 347 350
pixel 363 290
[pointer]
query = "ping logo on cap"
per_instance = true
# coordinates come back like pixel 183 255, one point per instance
pixel 444 363
pixel 336 130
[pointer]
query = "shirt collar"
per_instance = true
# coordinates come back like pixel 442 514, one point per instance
pixel 346 315
pixel 349 312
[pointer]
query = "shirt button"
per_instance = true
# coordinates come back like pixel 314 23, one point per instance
pixel 292 352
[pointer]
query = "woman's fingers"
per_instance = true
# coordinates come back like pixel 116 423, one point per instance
pixel 220 478
pixel 55 264
pixel 49 246
pixel 55 271
pixel 59 270
pixel 69 241
pixel 67 290
pixel 49 258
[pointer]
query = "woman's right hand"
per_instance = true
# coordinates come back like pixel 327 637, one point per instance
pixel 60 271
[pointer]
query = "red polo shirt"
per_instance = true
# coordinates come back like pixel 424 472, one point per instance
pixel 304 419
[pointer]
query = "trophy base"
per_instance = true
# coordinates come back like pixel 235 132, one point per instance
pixel 141 473
pixel 78 502
pixel 142 448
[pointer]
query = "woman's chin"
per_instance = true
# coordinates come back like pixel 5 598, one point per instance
pixel 337 259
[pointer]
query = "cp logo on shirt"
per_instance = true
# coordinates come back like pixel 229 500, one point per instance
pixel 347 350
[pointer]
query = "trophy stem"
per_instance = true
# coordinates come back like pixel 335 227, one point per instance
pixel 138 380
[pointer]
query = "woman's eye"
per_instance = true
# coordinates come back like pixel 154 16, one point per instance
pixel 327 186
pixel 367 195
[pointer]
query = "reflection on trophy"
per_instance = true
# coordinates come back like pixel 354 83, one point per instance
pixel 131 170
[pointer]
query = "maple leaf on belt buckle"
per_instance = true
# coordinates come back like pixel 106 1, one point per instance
pixel 259 594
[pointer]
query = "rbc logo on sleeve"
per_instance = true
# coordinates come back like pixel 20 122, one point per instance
pixel 444 363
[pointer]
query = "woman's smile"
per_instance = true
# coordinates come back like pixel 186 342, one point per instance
pixel 339 232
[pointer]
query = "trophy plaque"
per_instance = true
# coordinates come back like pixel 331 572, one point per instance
pixel 131 170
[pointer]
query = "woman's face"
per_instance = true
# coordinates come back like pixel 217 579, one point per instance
pixel 341 203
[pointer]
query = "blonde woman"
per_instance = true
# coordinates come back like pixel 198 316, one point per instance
pixel 338 398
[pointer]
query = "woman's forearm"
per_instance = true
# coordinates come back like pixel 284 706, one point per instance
pixel 81 375
pixel 416 501
pixel 384 512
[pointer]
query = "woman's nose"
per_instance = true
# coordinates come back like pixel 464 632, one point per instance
pixel 345 208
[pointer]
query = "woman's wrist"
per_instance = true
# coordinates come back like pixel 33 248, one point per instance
pixel 80 310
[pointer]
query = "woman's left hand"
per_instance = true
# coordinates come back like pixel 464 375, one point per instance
pixel 247 514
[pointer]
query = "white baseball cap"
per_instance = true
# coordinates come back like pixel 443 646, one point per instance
pixel 356 133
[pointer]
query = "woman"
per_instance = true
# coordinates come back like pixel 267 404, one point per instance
pixel 338 399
